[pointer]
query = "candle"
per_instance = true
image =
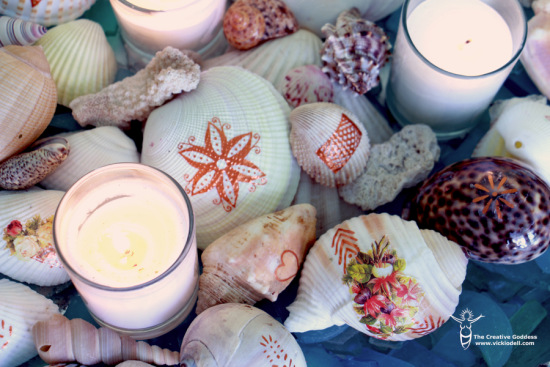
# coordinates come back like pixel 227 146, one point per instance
pixel 125 234
pixel 450 59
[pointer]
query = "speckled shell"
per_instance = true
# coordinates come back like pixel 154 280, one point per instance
pixel 380 275
pixel 28 97
pixel 307 84
pixel 19 32
pixel 45 12
pixel 251 338
pixel 495 208
pixel 329 143
pixel 20 309
pixel 81 59
pixel 536 52
pixel 248 23
pixel 354 52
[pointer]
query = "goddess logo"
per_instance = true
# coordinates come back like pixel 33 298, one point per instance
pixel 466 320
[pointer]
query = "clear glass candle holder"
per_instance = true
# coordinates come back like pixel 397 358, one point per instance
pixel 421 93
pixel 143 309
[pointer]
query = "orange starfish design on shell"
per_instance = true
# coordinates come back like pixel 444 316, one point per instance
pixel 221 164
pixel 493 195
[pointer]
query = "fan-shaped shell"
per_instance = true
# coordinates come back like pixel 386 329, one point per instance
pixel 415 275
pixel 91 149
pixel 329 142
pixel 19 32
pixel 81 59
pixel 226 142
pixel 536 52
pixel 45 12
pixel 28 97
pixel 27 251
pixel 307 84
pixel 250 337
pixel 20 309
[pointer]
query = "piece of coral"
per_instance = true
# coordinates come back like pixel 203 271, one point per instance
pixel 170 72
pixel 405 160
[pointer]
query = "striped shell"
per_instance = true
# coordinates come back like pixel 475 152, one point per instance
pixel 18 32
pixel 45 12
pixel 81 59
pixel 307 84
pixel 20 309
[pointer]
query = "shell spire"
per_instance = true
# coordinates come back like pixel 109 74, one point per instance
pixel 18 32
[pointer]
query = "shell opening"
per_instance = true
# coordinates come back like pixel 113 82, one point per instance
pixel 45 348
pixel 518 144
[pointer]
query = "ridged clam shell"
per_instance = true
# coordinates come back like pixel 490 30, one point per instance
pixel 307 84
pixel 45 12
pixel 536 52
pixel 19 32
pixel 329 143
pixel 28 97
pixel 91 149
pixel 416 278
pixel 250 172
pixel 20 309
pixel 26 247
pixel 81 59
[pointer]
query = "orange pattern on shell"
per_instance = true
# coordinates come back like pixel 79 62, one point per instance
pixel 5 335
pixel 346 245
pixel 341 145
pixel 275 353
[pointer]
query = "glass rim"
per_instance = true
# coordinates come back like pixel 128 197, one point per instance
pixel 152 11
pixel 512 60
pixel 116 166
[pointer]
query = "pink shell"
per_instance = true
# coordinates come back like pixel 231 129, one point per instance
pixel 307 84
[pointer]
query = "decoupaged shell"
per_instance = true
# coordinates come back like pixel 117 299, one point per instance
pixel 234 335
pixel 44 12
pixel 536 52
pixel 382 276
pixel 248 23
pixel 59 339
pixel 28 98
pixel 81 59
pixel 27 252
pixel 18 32
pixel 227 144
pixel 91 149
pixel 329 143
pixel 258 259
pixel 20 309
pixel 307 84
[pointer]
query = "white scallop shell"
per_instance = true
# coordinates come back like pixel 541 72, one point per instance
pixel 190 139
pixel 20 309
pixel 430 279
pixel 19 32
pixel 329 143
pixel 45 12
pixel 536 52
pixel 91 149
pixel 81 60
pixel 27 254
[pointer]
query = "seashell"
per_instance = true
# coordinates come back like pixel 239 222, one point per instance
pixel 251 338
pixel 495 208
pixel 170 72
pixel 402 162
pixel 59 339
pixel 536 52
pixel 354 52
pixel 86 67
pixel 540 6
pixel 135 364
pixel 329 143
pixel 307 84
pixel 258 259
pixel 27 169
pixel 20 308
pixel 526 3
pixel 48 13
pixel 27 250
pixel 227 144
pixel 18 32
pixel 248 23
pixel 91 149
pixel 380 275
pixel 27 101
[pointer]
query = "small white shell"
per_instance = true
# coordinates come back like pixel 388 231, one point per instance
pixel 307 84
pixel 20 309
pixel 329 143
pixel 91 149
pixel 45 12
pixel 19 32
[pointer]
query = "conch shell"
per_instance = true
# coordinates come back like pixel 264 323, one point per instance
pixel 258 259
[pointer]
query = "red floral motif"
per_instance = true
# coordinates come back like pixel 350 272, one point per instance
pixel 385 282
pixel 409 293
pixel 221 164
pixel 14 228
pixel 390 318
pixel 374 304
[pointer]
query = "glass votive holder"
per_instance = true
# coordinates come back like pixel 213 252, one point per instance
pixel 125 233
pixel 420 92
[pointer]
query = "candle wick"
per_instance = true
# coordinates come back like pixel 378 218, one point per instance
pixel 468 41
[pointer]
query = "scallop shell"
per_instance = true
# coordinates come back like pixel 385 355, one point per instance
pixel 27 251
pixel 81 59
pixel 307 84
pixel 91 149
pixel 20 309
pixel 329 143
pixel 234 120
pixel 250 337
pixel 382 276
pixel 19 32
pixel 45 12
pixel 536 52
pixel 28 98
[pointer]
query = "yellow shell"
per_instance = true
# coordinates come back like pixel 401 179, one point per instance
pixel 27 97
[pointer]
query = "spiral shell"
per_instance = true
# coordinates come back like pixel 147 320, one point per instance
pixel 19 32
pixel 45 12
